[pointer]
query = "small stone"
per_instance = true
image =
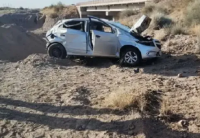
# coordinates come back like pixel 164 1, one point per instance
pixel 136 70
pixel 183 123
pixel 131 132
pixel 64 85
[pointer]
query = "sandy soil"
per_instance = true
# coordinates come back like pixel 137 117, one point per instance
pixel 42 97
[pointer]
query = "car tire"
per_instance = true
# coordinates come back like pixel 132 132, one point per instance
pixel 130 57
pixel 57 51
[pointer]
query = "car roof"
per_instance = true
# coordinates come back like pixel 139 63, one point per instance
pixel 82 19
pixel 76 19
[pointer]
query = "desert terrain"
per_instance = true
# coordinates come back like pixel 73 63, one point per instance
pixel 96 98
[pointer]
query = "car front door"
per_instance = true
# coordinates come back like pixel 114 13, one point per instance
pixel 75 36
pixel 104 40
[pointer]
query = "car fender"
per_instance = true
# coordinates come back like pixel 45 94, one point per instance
pixel 126 40
pixel 55 40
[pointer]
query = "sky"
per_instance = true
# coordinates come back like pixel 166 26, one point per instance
pixel 35 3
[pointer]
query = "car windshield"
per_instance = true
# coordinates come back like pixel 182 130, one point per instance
pixel 120 26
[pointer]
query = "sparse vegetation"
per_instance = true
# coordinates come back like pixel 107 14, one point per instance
pixel 53 15
pixel 178 29
pixel 160 20
pixel 192 15
pixel 148 9
pixel 175 29
pixel 57 7
pixel 54 10
pixel 60 10
pixel 151 8
pixel 122 100
pixel 196 30
pixel 128 13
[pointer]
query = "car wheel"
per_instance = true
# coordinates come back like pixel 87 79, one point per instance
pixel 57 50
pixel 130 57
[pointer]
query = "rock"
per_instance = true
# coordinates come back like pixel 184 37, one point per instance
pixel 180 75
pixel 130 132
pixel 183 123
pixel 136 70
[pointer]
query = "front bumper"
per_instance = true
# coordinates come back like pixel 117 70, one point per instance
pixel 154 53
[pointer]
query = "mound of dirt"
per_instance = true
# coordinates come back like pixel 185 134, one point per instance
pixel 17 43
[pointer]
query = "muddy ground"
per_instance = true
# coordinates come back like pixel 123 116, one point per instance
pixel 44 97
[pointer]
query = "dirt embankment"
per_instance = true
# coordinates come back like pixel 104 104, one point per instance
pixel 18 43
pixel 21 32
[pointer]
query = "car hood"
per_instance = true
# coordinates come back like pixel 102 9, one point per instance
pixel 141 25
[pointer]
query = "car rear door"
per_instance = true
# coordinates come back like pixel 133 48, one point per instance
pixel 104 39
pixel 75 36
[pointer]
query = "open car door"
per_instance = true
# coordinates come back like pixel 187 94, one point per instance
pixel 104 39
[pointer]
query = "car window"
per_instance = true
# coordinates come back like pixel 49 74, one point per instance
pixel 100 27
pixel 76 25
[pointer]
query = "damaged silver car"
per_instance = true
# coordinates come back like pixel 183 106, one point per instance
pixel 95 37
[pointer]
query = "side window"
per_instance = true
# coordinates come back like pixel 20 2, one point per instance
pixel 101 27
pixel 76 25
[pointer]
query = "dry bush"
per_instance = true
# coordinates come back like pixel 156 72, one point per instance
pixel 148 9
pixel 175 29
pixel 192 15
pixel 53 15
pixel 70 12
pixel 121 99
pixel 178 29
pixel 166 113
pixel 52 10
pixel 146 101
pixel 59 7
pixel 128 13
pixel 160 20
pixel 161 34
pixel 164 108
pixel 196 30
pixel 153 7
pixel 62 11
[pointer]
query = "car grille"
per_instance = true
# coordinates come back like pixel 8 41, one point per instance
pixel 158 44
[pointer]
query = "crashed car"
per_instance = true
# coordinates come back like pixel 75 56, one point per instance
pixel 95 37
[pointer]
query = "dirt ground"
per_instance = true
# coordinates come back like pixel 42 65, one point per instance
pixel 44 97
